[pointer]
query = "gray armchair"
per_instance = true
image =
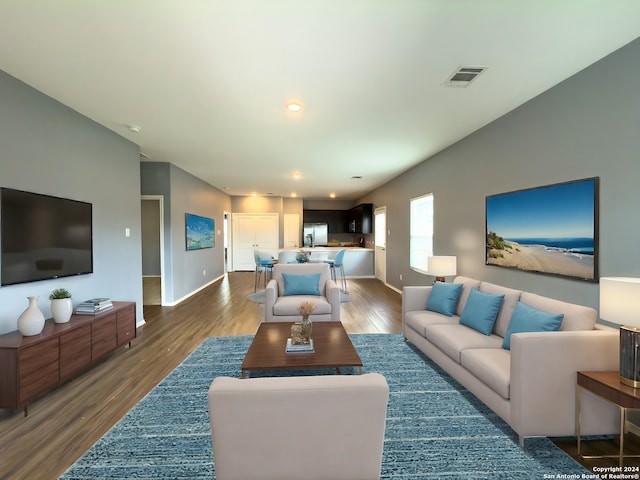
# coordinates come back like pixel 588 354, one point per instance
pixel 292 284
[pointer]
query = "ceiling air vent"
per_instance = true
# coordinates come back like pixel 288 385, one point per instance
pixel 463 76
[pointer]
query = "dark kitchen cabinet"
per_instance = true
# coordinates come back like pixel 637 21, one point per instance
pixel 336 220
pixel 361 218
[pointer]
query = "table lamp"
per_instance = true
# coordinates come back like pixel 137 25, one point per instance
pixel 441 266
pixel 620 303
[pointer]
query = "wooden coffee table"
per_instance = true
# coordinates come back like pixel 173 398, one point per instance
pixel 333 349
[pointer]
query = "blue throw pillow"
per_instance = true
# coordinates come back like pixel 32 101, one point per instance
pixel 481 310
pixel 444 297
pixel 301 284
pixel 529 319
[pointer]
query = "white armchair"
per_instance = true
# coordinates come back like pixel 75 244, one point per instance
pixel 292 284
pixel 292 428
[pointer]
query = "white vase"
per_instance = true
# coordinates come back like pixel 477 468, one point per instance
pixel 61 309
pixel 31 321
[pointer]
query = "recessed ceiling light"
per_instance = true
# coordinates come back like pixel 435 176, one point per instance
pixel 296 175
pixel 254 194
pixel 332 195
pixel 294 106
pixel 294 194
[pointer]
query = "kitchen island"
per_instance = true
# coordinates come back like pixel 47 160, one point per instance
pixel 358 261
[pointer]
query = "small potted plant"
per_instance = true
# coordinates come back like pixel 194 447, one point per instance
pixel 302 257
pixel 61 306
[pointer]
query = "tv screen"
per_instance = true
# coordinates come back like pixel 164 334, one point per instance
pixel 43 237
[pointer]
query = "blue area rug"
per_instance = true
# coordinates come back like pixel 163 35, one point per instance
pixel 435 428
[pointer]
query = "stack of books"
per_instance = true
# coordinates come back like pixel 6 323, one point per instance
pixel 300 348
pixel 93 306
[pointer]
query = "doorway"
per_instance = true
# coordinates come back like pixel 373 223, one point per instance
pixel 152 227
pixel 228 266
pixel 291 230
pixel 380 243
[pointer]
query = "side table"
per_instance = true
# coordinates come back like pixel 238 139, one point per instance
pixel 607 385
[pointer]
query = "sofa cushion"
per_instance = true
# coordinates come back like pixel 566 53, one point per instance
pixel 492 366
pixel 528 319
pixel 467 285
pixel 444 297
pixel 481 311
pixel 301 284
pixel 511 298
pixel 576 317
pixel 289 305
pixel 453 339
pixel 417 320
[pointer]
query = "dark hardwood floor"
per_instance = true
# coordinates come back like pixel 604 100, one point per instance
pixel 64 423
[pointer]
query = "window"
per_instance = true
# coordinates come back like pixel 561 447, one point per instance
pixel 421 232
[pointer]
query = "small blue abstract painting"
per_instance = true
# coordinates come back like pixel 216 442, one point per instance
pixel 200 232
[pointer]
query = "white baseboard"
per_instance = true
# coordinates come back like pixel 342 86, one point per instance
pixel 633 428
pixel 388 285
pixel 176 302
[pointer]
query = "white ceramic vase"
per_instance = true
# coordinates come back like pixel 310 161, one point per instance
pixel 31 321
pixel 61 309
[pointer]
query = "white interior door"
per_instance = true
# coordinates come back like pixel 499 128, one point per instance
pixel 380 241
pixel 266 228
pixel 291 230
pixel 250 232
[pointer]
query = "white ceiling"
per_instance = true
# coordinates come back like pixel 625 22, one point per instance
pixel 207 80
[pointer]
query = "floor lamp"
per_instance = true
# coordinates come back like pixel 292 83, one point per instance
pixel 441 266
pixel 620 303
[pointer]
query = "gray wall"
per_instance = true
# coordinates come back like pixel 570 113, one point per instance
pixel 587 126
pixel 329 204
pixel 45 147
pixel 186 271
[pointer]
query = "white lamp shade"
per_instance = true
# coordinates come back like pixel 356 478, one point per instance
pixel 620 300
pixel 441 266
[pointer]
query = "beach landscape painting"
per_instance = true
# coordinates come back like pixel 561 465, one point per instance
pixel 551 229
pixel 199 232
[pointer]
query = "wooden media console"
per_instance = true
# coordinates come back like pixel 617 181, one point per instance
pixel 31 366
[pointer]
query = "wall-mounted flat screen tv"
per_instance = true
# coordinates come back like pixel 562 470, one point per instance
pixel 43 237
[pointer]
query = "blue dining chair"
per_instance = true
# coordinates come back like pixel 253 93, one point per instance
pixel 338 262
pixel 262 266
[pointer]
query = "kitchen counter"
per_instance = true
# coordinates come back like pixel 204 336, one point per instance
pixel 332 249
pixel 358 261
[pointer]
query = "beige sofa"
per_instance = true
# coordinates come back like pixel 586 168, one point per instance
pixel 280 307
pixel 293 428
pixel 532 386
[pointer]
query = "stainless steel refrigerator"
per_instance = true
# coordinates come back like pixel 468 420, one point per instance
pixel 315 234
